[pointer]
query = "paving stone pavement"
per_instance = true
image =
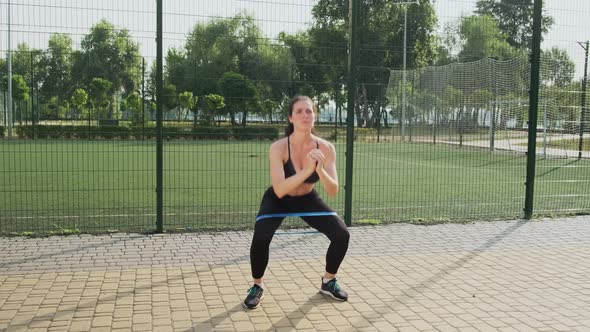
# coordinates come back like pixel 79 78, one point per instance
pixel 485 276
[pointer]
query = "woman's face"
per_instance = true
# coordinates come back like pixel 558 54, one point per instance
pixel 303 116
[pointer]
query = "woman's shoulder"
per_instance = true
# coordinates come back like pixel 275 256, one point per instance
pixel 279 144
pixel 323 143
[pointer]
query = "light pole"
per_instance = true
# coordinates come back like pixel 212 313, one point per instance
pixel 403 119
pixel 584 88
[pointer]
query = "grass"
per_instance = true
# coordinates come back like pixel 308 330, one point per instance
pixel 100 186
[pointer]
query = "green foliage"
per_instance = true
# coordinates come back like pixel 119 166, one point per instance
pixel 381 21
pixel 79 100
pixel 135 132
pixel 98 92
pixel 56 65
pixel 213 104
pixel 187 103
pixel 237 91
pixel 169 97
pixel 217 133
pixel 480 98
pixel 514 19
pixel 255 133
pixel 72 132
pixel 21 60
pixel 368 222
pixel 111 54
pixel 226 45
pixel 65 231
pixel 483 38
pixel 186 100
pixel 557 102
pixel 54 109
pixel 557 68
pixel 453 98
pixel 2 131
pixel 449 44
pixel 20 89
pixel 133 104
pixel 269 107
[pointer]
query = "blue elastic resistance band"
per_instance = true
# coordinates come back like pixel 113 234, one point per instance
pixel 295 214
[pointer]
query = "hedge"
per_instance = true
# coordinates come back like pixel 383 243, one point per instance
pixel 122 132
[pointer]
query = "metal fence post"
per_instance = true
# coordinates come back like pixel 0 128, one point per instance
pixel 159 117
pixel 351 102
pixel 583 110
pixel 533 108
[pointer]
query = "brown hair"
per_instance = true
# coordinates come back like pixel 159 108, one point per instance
pixel 290 129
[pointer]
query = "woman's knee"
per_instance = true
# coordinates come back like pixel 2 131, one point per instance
pixel 341 236
pixel 261 239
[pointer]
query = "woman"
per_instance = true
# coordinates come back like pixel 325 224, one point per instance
pixel 297 162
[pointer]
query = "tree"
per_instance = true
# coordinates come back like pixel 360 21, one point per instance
pixel 213 103
pixel 21 61
pixel 98 93
pixel 169 97
pixel 303 78
pixel 133 104
pixel 53 108
pixel 557 68
pixel 233 44
pixel 150 90
pixel 482 38
pixel 237 91
pixel 20 93
pixel 515 20
pixel 270 69
pixel 382 24
pixel 20 89
pixel 268 107
pixel 187 104
pixel 110 54
pixel 79 100
pixel 452 100
pixel 56 67
pixel 175 68
pixel 424 103
pixel 214 48
pixel 449 44
pixel 319 60
pixel 478 100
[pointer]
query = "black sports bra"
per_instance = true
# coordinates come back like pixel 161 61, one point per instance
pixel 290 169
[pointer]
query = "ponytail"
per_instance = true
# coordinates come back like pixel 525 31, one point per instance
pixel 289 129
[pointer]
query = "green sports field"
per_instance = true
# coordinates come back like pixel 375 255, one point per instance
pixel 99 186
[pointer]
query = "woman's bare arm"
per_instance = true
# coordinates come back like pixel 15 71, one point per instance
pixel 281 185
pixel 326 169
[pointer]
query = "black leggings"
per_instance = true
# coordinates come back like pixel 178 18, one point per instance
pixel 265 228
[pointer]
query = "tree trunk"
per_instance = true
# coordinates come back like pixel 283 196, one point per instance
pixel 365 107
pixel 357 112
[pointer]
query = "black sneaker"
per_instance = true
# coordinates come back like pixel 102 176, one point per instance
pixel 332 289
pixel 254 297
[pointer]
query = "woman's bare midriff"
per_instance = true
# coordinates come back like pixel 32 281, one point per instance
pixel 303 189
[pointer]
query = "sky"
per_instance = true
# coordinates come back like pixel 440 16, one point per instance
pixel 33 21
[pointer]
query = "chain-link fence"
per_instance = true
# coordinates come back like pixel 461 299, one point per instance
pixel 440 119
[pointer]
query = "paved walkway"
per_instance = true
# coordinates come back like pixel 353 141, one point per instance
pixel 520 145
pixel 487 276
